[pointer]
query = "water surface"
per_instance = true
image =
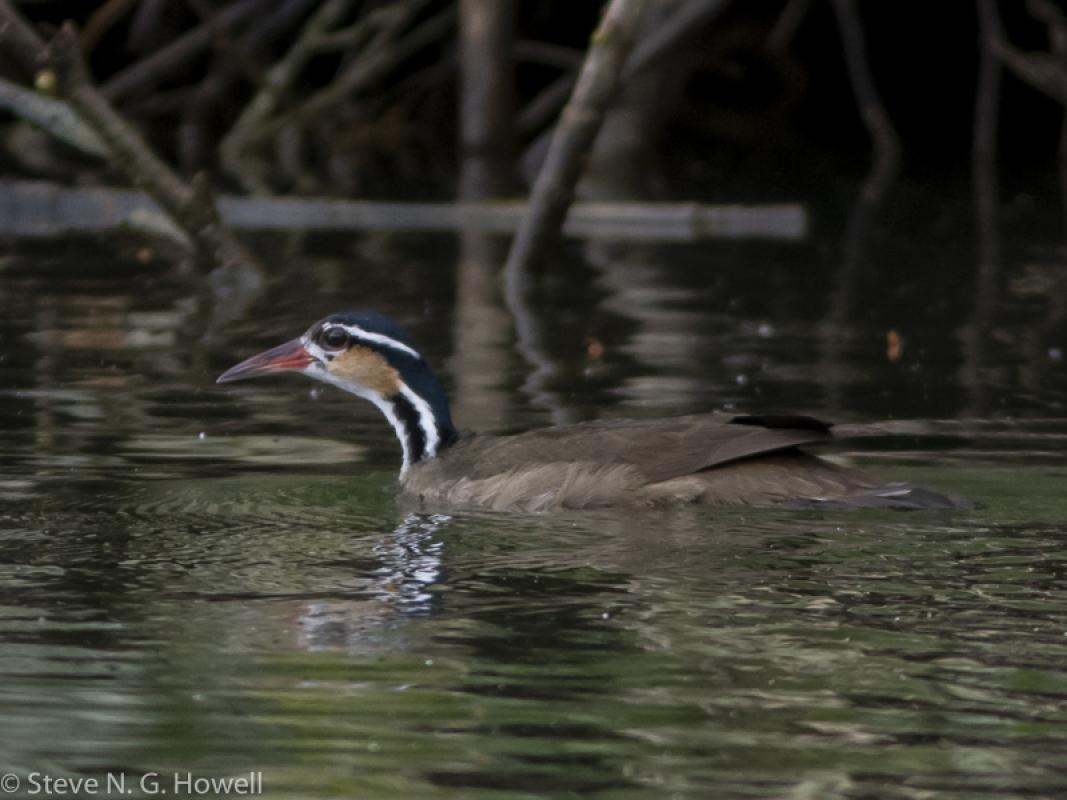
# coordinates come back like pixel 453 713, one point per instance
pixel 214 580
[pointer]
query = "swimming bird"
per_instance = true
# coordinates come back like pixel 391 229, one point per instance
pixel 710 459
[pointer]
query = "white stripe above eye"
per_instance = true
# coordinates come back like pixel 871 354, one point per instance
pixel 357 332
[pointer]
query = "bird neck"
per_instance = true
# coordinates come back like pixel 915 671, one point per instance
pixel 412 400
pixel 422 423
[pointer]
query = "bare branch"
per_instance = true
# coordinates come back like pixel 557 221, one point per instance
pixel 101 21
pixel 157 66
pixel 190 207
pixel 277 83
pixel 875 117
pixel 371 65
pixel 52 116
pixel 553 191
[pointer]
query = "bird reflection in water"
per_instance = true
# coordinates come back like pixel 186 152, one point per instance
pixel 409 563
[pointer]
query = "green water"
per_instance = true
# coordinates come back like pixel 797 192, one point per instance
pixel 209 581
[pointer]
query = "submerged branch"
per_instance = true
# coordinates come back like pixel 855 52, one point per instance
pixel 33 208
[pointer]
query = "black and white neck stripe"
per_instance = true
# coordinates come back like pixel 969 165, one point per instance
pixel 422 435
pixel 411 431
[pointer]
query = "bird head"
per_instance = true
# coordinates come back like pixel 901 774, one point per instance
pixel 373 357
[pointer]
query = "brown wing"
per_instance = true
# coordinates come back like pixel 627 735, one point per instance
pixel 659 449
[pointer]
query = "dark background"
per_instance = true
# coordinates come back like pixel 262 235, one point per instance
pixel 748 124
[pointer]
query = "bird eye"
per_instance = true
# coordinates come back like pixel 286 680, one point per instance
pixel 334 338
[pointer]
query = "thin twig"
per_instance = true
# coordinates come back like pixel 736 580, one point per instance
pixel 21 41
pixel 147 26
pixel 362 73
pixel 1056 21
pixel 984 145
pixel 545 104
pixel 236 59
pixel 875 117
pixel 547 53
pixel 275 86
pixel 150 70
pixel 689 19
pixel 101 21
pixel 1046 72
pixel 355 35
pixel 786 27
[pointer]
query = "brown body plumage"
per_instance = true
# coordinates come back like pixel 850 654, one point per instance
pixel 708 459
